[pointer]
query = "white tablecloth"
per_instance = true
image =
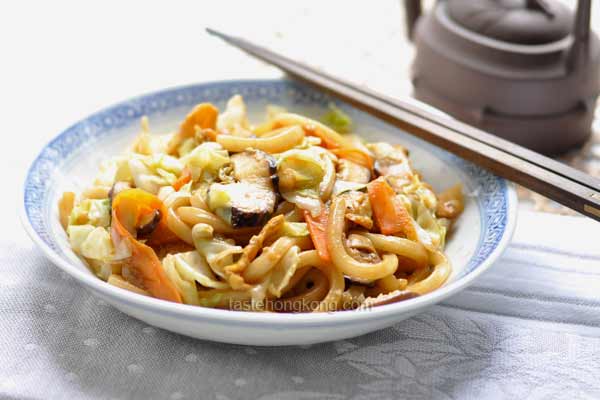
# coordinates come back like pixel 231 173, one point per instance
pixel 530 328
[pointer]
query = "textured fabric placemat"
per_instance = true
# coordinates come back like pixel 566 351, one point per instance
pixel 529 328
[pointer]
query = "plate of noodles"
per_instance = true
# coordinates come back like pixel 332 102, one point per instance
pixel 261 212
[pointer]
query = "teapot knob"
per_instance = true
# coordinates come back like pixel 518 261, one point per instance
pixel 541 5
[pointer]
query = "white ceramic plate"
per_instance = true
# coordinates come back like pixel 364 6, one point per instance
pixel 70 161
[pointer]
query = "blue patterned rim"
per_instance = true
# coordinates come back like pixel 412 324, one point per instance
pixel 494 192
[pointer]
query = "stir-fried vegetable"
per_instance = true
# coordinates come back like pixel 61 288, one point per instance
pixel 248 198
pixel 186 176
pixel 450 203
pixel 355 155
pixel 154 171
pixel 294 229
pixel 203 116
pixel 78 234
pixel 301 174
pixel 205 161
pixel 317 226
pixel 130 210
pixel 391 216
pixel 337 119
pixel 95 212
pixel 234 121
pixel 291 214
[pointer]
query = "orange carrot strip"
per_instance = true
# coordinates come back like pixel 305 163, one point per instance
pixel 186 176
pixel 129 209
pixel 203 116
pixel 135 206
pixel 391 216
pixel 317 227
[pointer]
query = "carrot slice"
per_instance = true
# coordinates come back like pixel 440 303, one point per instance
pixel 136 206
pixel 129 209
pixel 317 227
pixel 203 116
pixel 391 216
pixel 186 176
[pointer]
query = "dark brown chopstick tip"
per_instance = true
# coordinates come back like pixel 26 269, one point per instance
pixel 216 33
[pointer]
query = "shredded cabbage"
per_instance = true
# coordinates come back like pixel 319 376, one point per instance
pixel 150 173
pixel 104 269
pixel 111 171
pixel 205 161
pixel 305 200
pixel 219 200
pixel 303 176
pixel 234 121
pixel 217 252
pixel 187 289
pixel 193 267
pixel 123 172
pixel 98 245
pixel 337 119
pixel 431 234
pixel 340 186
pixel 300 169
pixel 277 280
pixel 418 189
pixel 187 146
pixel 78 234
pixel 283 271
pixel 294 229
pixel 94 212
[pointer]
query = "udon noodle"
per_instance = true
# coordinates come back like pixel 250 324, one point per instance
pixel 287 216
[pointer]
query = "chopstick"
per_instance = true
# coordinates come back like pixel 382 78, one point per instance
pixel 548 177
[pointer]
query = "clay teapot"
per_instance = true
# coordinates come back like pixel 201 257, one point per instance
pixel 526 70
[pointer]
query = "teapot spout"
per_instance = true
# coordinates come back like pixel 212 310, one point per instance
pixel 581 35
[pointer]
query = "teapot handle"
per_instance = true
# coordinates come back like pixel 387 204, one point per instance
pixel 412 12
pixel 581 35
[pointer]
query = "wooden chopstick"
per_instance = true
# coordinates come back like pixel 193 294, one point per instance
pixel 532 170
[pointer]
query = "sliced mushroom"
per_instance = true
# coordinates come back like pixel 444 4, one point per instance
pixel 254 166
pixel 242 204
pixel 251 199
pixel 147 227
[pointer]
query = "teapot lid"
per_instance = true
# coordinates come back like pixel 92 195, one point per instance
pixel 529 22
